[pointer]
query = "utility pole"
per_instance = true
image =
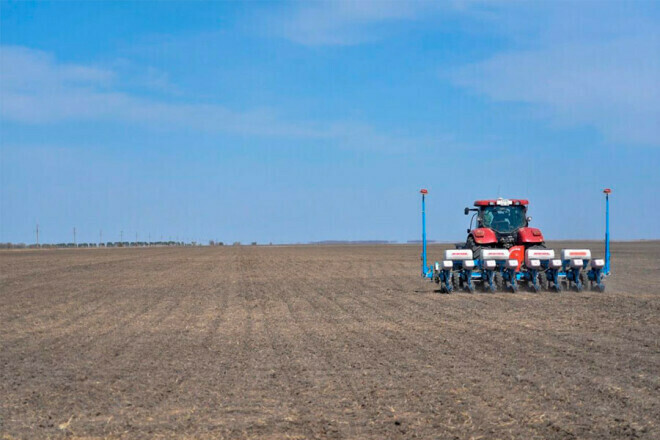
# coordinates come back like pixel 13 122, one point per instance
pixel 100 236
pixel 136 239
pixel 37 234
pixel 121 236
pixel 74 236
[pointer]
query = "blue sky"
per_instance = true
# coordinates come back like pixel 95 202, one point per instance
pixel 303 121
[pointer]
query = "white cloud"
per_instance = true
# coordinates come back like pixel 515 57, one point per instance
pixel 36 89
pixel 343 22
pixel 608 83
pixel 26 69
pixel 353 22
pixel 591 64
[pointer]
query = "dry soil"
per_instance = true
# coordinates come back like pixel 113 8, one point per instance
pixel 318 342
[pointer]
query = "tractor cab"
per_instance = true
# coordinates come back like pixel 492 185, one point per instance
pixel 501 223
pixel 502 217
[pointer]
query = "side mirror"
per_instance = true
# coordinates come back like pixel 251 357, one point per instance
pixel 467 211
pixel 468 230
pixel 529 219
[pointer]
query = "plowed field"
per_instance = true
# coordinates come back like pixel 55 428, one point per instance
pixel 318 342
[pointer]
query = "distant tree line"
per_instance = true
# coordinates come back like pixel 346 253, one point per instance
pixel 352 242
pixel 117 244
pixel 109 244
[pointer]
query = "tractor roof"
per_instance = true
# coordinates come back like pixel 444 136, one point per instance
pixel 501 202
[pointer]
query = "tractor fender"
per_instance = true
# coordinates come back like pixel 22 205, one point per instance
pixel 483 236
pixel 530 235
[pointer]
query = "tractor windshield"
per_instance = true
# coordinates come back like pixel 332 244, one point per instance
pixel 503 219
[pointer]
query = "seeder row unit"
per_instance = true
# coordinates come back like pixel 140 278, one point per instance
pixel 495 270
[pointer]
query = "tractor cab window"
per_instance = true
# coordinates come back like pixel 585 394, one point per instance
pixel 503 219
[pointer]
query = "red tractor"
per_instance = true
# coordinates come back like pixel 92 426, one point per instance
pixel 502 223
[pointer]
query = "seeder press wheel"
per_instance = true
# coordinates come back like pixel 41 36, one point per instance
pixel 598 285
pixel 456 282
pixel 513 287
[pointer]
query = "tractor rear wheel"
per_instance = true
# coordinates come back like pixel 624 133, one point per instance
pixel 474 247
pixel 537 246
pixel 456 281
pixel 498 281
